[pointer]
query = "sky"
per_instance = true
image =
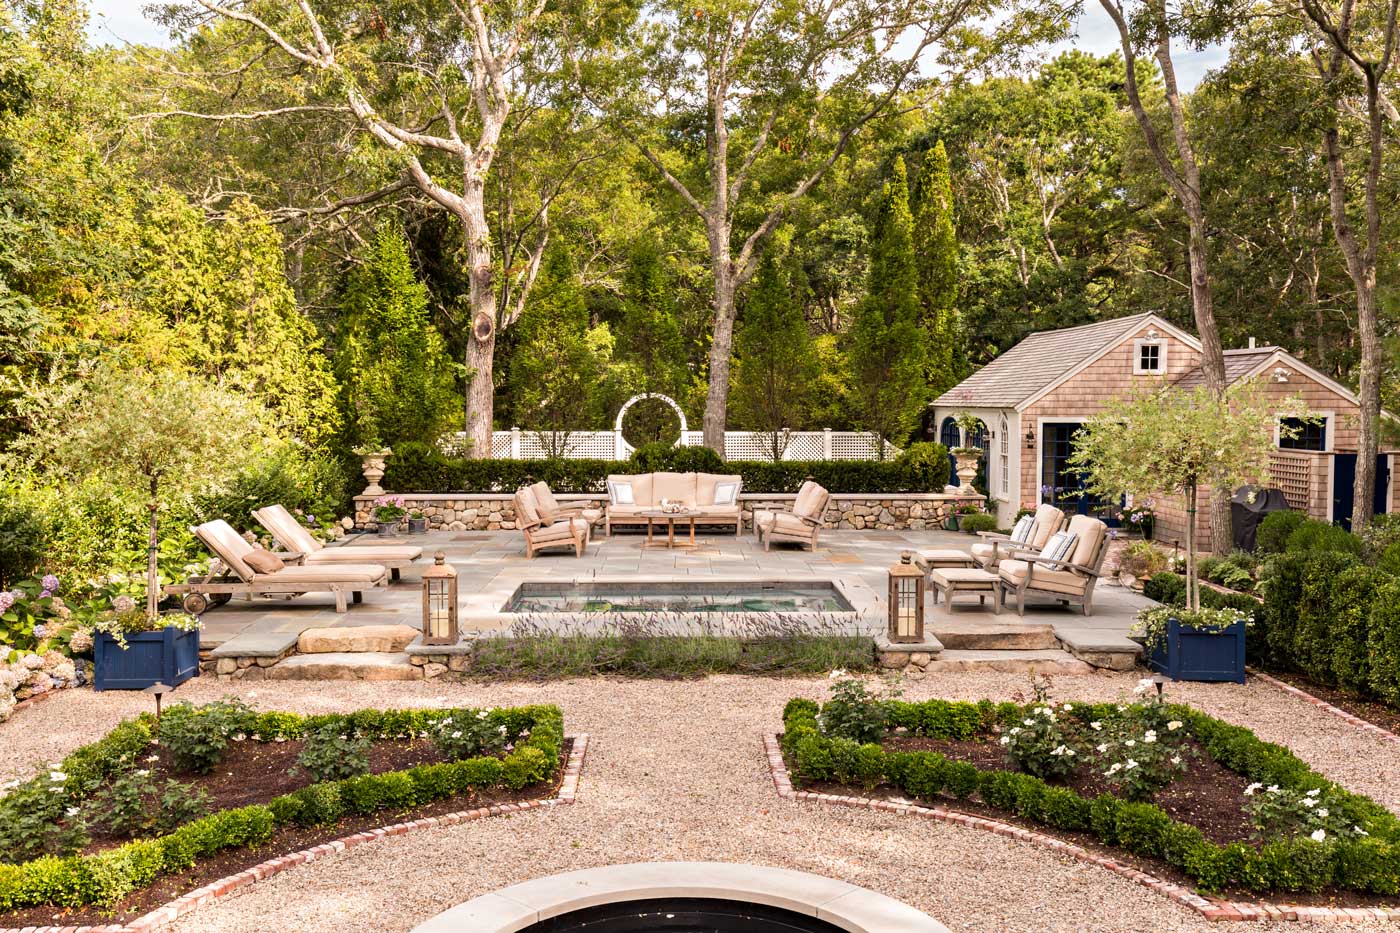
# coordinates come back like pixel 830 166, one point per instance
pixel 118 21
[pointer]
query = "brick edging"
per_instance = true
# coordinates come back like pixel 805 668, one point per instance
pixel 168 913
pixel 1362 724
pixel 1208 907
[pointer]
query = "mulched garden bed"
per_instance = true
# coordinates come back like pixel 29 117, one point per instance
pixel 254 772
pixel 1373 711
pixel 1208 796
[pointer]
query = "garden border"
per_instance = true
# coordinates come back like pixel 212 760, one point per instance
pixel 185 903
pixel 1322 704
pixel 1209 908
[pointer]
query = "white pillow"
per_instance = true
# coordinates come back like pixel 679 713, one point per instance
pixel 726 493
pixel 1058 548
pixel 621 494
pixel 1022 532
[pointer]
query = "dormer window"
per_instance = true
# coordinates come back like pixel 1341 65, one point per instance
pixel 1149 357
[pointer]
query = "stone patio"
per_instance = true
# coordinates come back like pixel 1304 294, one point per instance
pixel 244 635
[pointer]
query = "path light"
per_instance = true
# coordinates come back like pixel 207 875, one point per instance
pixel 906 601
pixel 158 690
pixel 440 603
pixel 1160 682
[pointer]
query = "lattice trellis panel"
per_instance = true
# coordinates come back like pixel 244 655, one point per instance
pixel 738 445
pixel 1292 474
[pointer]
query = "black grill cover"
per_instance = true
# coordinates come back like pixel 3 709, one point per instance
pixel 1246 516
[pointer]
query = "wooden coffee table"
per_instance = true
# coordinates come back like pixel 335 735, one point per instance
pixel 952 580
pixel 669 519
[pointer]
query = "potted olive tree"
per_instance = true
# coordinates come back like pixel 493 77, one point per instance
pixel 1174 441
pixel 169 437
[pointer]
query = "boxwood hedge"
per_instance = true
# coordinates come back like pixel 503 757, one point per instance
pixel 105 878
pixel 1368 864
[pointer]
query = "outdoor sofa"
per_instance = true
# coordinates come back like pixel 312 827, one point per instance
pixel 714 495
pixel 241 569
pixel 293 536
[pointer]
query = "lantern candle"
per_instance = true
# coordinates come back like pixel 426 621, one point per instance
pixel 440 602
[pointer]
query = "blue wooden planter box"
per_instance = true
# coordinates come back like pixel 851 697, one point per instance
pixel 169 656
pixel 1191 653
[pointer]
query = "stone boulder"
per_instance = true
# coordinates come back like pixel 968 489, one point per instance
pixel 356 639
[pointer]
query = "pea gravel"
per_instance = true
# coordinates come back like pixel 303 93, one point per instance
pixel 675 771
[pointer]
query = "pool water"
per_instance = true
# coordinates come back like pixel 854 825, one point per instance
pixel 678 597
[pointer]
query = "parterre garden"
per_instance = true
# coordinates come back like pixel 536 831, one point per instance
pixel 1183 793
pixel 155 808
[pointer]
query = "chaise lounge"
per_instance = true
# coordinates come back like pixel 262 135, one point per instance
pixel 1066 570
pixel 241 569
pixel 715 496
pixel 293 536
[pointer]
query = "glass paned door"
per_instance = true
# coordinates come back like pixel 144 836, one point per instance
pixel 1061 485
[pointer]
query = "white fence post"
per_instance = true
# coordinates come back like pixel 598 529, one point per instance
pixel 826 443
pixel 515 443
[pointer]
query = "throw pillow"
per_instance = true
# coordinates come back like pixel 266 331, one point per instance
pixel 1022 532
pixel 1059 547
pixel 621 494
pixel 726 493
pixel 264 561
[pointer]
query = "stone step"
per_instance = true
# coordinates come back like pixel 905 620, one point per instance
pixel 1051 661
pixel 383 665
pixel 1101 648
pixel 356 639
pixel 988 635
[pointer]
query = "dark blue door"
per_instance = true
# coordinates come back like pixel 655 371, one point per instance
pixel 1344 487
pixel 1063 486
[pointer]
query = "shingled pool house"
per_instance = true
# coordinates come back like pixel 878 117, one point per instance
pixel 1033 398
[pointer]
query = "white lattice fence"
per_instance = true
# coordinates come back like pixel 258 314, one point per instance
pixel 738 445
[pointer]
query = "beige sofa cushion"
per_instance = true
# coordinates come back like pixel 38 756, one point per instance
pixel 811 501
pixel 365 554
pixel 560 531
pixel 545 503
pixel 1047 521
pixel 677 487
pixel 228 545
pixel 1055 581
pixel 1091 533
pixel 527 510
pixel 641 487
pixel 785 523
pixel 705 484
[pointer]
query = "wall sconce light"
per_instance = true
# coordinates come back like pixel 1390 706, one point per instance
pixel 1030 437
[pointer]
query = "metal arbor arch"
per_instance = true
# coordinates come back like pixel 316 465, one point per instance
pixel 622 413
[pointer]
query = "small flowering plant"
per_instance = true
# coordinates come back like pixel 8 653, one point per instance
pixel 1151 624
pixel 1282 813
pixel 1141 749
pixel 389 508
pixel 853 712
pixel 125 618
pixel 33 616
pixel 1043 743
pixel 466 736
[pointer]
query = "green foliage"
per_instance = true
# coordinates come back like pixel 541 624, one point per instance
pixel 888 348
pixel 333 753
pixel 196 736
pixel 852 713
pixel 936 249
pixel 1313 535
pixel 1274 532
pixel 24 537
pixel 36 821
pixel 420 468
pixel 661 457
pixel 466 735
pixel 397 381
pixel 977 521
pixel 1039 744
pixel 1383 641
pixel 776 366
pixel 1380 540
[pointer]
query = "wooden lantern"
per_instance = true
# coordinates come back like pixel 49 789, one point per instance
pixel 440 603
pixel 906 601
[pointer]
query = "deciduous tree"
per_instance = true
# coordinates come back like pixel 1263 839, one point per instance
pixel 777 366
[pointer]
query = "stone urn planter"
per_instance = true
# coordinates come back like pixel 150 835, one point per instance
pixel 372 466
pixel 388 529
pixel 966 459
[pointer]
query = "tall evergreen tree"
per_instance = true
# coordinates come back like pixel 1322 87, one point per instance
pixel 649 345
pixel 889 350
pixel 397 381
pixel 777 367
pixel 936 252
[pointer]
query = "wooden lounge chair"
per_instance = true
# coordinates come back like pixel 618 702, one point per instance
pixel 799 526
pixel 231 573
pixel 995 546
pixel 551 510
pixel 293 536
pixel 539 535
pixel 1068 580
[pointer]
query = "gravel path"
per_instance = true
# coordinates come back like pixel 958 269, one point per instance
pixel 642 798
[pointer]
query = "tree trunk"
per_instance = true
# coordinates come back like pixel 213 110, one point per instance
pixel 152 550
pixel 481 340
pixel 1193 586
pixel 722 338
pixel 1367 442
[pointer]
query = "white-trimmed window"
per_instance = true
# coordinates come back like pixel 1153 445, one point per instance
pixel 1004 458
pixel 1150 357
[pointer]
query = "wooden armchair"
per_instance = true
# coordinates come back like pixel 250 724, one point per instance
pixel 994 545
pixel 801 525
pixel 539 535
pixel 1068 580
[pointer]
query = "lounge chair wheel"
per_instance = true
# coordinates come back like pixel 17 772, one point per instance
pixel 194 603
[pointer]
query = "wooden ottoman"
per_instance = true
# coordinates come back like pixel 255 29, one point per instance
pixel 945 557
pixel 952 580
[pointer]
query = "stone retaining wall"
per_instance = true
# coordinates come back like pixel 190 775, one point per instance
pixel 495 512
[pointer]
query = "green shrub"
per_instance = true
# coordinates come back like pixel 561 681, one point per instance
pixel 24 532
pixel 1141 828
pixel 1274 531
pixel 1353 600
pixel 1383 641
pixel 1064 809
pixel 1389 561
pixel 467 734
pixel 197 735
pixel 663 458
pixel 937 719
pixel 423 468
pixel 1313 535
pixel 1314 640
pixel 525 766
pixel 320 805
pixel 335 752
pixel 1380 537
pixel 962 779
pixel 852 713
pixel 977 521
